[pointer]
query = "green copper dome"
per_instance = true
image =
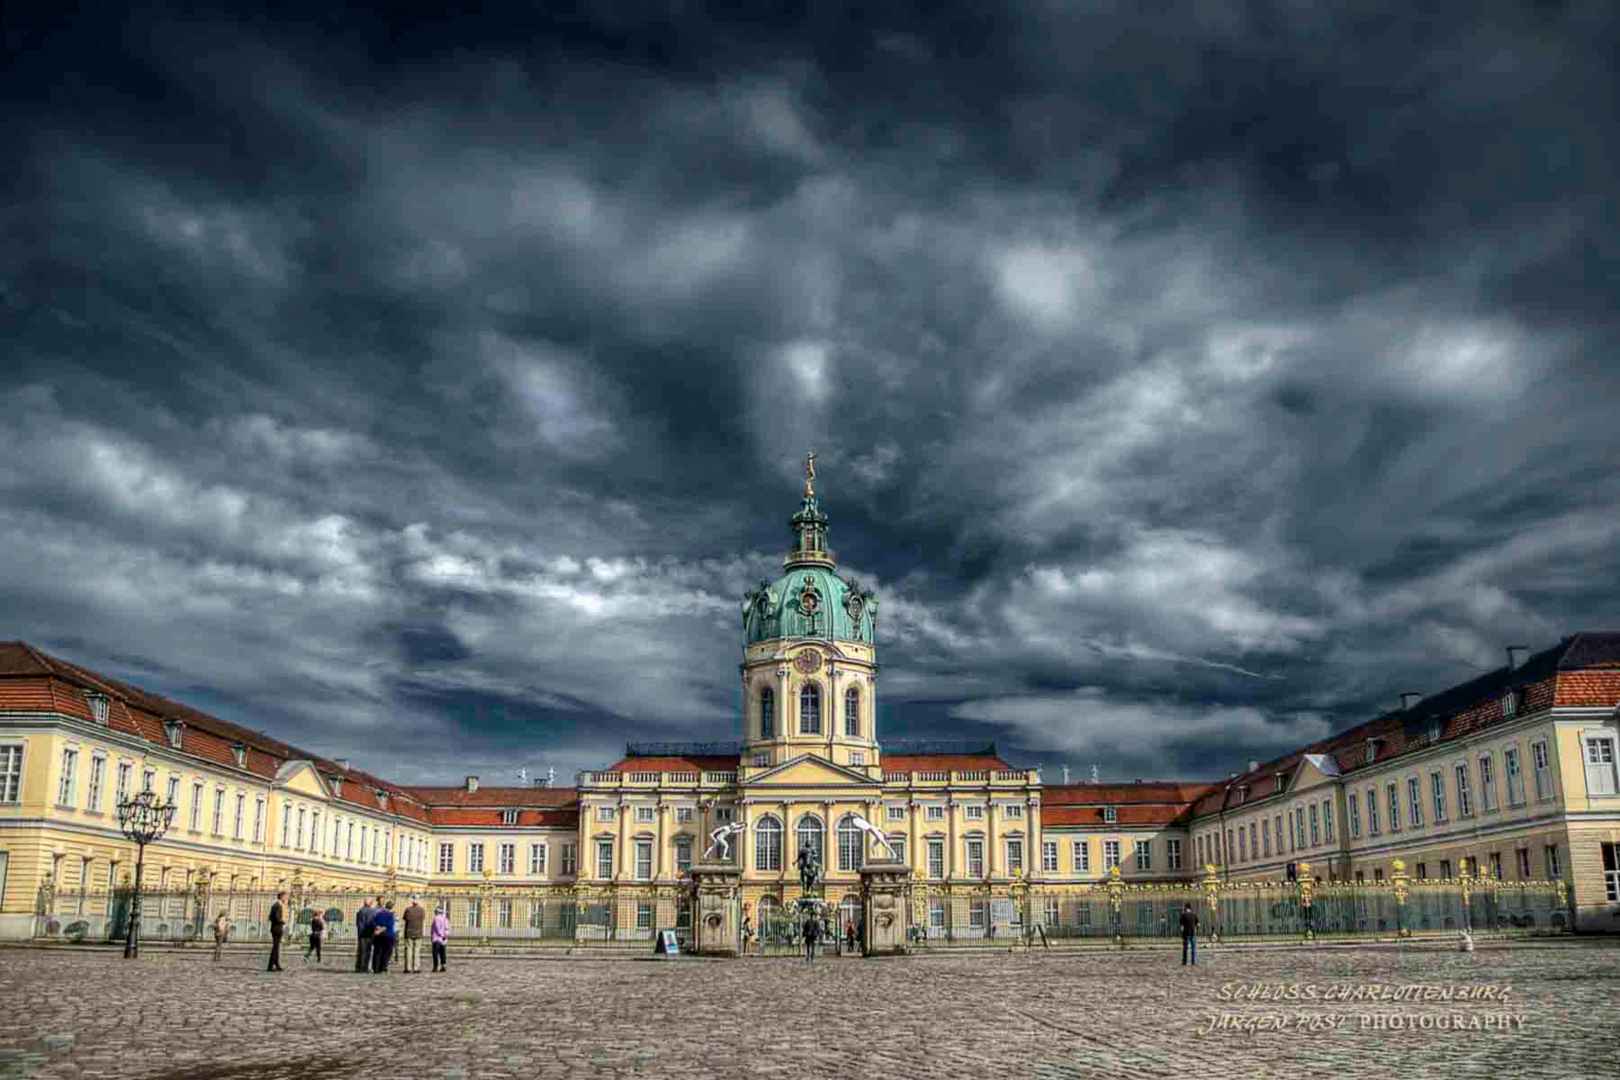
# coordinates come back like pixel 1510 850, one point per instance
pixel 809 599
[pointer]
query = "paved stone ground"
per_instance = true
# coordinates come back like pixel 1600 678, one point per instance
pixel 175 1015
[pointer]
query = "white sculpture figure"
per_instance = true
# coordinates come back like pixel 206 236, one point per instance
pixel 722 840
pixel 551 777
pixel 875 833
pixel 523 776
pixel 1094 774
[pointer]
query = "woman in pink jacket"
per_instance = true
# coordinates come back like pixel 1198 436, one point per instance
pixel 439 933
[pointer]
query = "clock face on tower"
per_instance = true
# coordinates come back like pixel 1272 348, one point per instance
pixel 808 662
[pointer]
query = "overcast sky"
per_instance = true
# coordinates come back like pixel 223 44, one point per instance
pixel 1188 380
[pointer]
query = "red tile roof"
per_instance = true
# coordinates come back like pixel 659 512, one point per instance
pixel 535 797
pixel 905 763
pixel 564 817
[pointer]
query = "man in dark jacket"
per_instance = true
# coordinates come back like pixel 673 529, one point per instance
pixel 414 919
pixel 382 938
pixel 362 933
pixel 1189 936
pixel 278 927
pixel 812 931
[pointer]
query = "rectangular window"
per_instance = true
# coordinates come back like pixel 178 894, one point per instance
pixel 936 915
pixel 1555 866
pixel 645 815
pixel 121 789
pixel 1414 802
pixel 1611 872
pixel 570 860
pixel 475 858
pixel 975 858
pixel 70 767
pixel 1465 797
pixel 174 793
pixel 723 814
pixel 503 913
pixel 1600 762
pixel 683 856
pixel 1316 834
pixel 644 860
pixel 148 778
pixel 1242 844
pixel 1049 856
pixel 1538 758
pixel 1445 869
pixel 98 773
pixel 1327 820
pixel 604 859
pixel 219 812
pixel 196 807
pixel 1392 791
pixel 934 813
pixel 1372 812
pixel 1110 814
pixel 509 817
pixel 1012 810
pixel 1350 804
pixel 258 821
pixel 315 832
pixel 475 914
pixel 506 859
pixel 1496 865
pixel 300 842
pixel 1110 854
pixel 936 858
pixel 975 813
pixel 644 915
pixel 1015 855
pixel 1254 840
pixel 857 757
pixel 537 859
pixel 978 914
pixel 1437 791
pixel 604 813
pixel 1144 855
pixel 286 825
pixel 241 812
pixel 1523 857
pixel 1515 776
pixel 1265 838
pixel 1487 783
pixel 683 815
pixel 10 774
pixel 1081 854
pixel 1423 871
pixel 1172 853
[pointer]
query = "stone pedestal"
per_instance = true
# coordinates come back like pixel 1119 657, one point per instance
pixel 884 909
pixel 716 909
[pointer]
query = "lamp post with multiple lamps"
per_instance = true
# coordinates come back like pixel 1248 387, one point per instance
pixel 144 818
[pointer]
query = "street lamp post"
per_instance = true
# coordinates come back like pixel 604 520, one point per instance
pixel 143 818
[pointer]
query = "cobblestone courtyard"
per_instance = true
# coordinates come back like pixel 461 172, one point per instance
pixel 173 1015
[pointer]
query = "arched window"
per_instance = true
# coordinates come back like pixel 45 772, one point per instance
pixel 768 844
pixel 812 837
pixel 852 712
pixel 810 710
pixel 767 713
pixel 851 845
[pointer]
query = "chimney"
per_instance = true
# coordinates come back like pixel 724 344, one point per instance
pixel 1513 660
pixel 1409 698
pixel 1065 774
pixel 472 783
pixel 343 763
pixel 1254 765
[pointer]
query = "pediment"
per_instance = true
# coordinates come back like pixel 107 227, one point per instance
pixel 810 770
pixel 300 776
pixel 1312 771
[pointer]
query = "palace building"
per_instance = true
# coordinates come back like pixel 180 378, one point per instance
pixel 1514 772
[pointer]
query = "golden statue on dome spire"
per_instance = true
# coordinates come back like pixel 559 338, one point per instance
pixel 810 475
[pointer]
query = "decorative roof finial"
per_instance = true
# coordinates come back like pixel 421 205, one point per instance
pixel 810 475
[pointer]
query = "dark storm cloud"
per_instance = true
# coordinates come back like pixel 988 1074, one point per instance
pixel 428 390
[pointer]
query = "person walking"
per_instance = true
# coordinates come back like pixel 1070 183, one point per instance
pixel 812 932
pixel 317 930
pixel 362 933
pixel 1189 936
pixel 440 934
pixel 222 931
pixel 849 935
pixel 278 927
pixel 415 917
pixel 382 938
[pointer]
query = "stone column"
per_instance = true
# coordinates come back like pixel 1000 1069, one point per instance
pixel 783 712
pixel 883 907
pixel 992 858
pixel 620 856
pixel 659 863
pixel 716 910
pixel 950 839
pixel 912 840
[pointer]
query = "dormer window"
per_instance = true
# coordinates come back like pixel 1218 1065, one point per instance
pixel 100 705
pixel 1372 751
pixel 1282 782
pixel 1110 814
pixel 1510 704
pixel 1434 731
pixel 1243 793
pixel 509 817
pixel 337 786
pixel 382 799
pixel 173 729
pixel 239 752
